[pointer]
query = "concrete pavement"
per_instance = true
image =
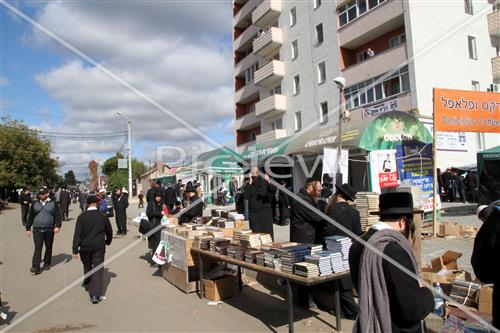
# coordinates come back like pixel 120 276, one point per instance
pixel 137 299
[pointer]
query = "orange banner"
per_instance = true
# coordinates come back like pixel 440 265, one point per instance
pixel 466 111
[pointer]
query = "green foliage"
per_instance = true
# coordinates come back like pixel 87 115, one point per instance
pixel 119 177
pixel 25 159
pixel 138 168
pixel 69 178
pixel 111 164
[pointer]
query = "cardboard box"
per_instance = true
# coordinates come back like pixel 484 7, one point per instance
pixel 448 261
pixel 219 288
pixel 485 300
pixel 468 231
pixel 449 229
pixel 185 280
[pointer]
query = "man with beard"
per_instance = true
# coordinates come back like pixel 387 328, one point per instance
pixel 390 300
pixel 260 194
pixel 194 206
pixel 121 211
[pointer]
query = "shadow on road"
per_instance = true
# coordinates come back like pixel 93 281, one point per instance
pixel 61 258
pixel 107 280
pixel 10 314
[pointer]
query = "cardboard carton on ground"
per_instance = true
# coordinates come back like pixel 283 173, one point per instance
pixel 448 261
pixel 468 231
pixel 449 229
pixel 485 300
pixel 220 288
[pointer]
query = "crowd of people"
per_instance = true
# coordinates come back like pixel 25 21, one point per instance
pixel 457 186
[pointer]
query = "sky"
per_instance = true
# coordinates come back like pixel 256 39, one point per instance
pixel 167 65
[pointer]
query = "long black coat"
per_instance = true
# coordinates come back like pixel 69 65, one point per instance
pixel 260 195
pixel 64 199
pixel 153 211
pixel 121 205
pixel 170 196
pixel 305 223
pixel 192 210
pixel 408 302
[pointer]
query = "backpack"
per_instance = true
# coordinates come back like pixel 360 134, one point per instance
pixel 103 206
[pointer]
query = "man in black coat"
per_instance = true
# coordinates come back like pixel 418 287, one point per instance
pixel 342 212
pixel 409 303
pixel 284 205
pixel 92 233
pixel 260 194
pixel 194 207
pixel 154 211
pixel 484 257
pixel 170 197
pixel 25 201
pixel 82 198
pixel 304 227
pixel 121 204
pixel 64 202
pixel 45 218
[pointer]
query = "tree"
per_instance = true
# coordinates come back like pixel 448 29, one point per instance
pixel 25 159
pixel 118 179
pixel 94 181
pixel 69 178
pixel 138 169
pixel 111 164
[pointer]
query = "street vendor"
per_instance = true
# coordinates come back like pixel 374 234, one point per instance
pixel 194 206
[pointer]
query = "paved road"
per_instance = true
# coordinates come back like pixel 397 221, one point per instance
pixel 137 299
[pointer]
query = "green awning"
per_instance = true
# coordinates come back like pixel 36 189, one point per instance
pixel 383 132
pixel 220 160
pixel 264 150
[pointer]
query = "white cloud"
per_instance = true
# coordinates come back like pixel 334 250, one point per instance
pixel 177 53
pixel 3 81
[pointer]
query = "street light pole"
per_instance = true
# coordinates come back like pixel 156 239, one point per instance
pixel 340 82
pixel 129 128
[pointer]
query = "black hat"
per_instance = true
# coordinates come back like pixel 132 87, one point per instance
pixel 190 187
pixel 347 191
pixel 92 199
pixel 158 182
pixel 43 190
pixel 396 203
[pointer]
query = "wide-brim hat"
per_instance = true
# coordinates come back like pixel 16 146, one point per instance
pixel 43 190
pixel 92 199
pixel 190 188
pixel 347 190
pixel 396 203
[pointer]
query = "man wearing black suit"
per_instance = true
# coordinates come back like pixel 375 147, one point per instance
pixel 92 233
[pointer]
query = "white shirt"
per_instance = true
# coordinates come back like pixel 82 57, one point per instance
pixel 92 208
pixel 380 226
pixel 44 202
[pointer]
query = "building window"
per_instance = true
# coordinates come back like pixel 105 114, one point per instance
pixel 298 121
pixel 372 90
pixel 319 34
pixel 476 86
pixel 472 47
pixel 295 49
pixel 249 73
pixel 366 54
pixel 323 117
pixel 253 136
pixel 354 9
pixel 317 3
pixel 293 16
pixel 321 72
pixel 398 40
pixel 276 90
pixel 296 84
pixel 277 124
pixel 468 7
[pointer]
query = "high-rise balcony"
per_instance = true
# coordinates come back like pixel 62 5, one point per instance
pixel 271 106
pixel 266 13
pixel 271 135
pixel 494 24
pixel 495 64
pixel 245 38
pixel 270 75
pixel 377 65
pixel 374 23
pixel 268 42
pixel 247 121
pixel 246 10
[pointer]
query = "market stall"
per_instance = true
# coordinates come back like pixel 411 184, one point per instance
pixel 488 167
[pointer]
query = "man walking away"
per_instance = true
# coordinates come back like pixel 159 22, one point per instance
pixel 170 197
pixel 141 200
pixel 121 212
pixel 82 198
pixel 45 218
pixel 92 233
pixel 64 202
pixel 390 300
pixel 260 194
pixel 25 201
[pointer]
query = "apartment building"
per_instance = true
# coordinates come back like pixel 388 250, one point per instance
pixel 286 56
pixel 392 54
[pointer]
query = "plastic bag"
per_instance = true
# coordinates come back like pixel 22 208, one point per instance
pixel 164 221
pixel 159 256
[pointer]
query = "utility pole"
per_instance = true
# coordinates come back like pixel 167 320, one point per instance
pixel 129 130
pixel 340 82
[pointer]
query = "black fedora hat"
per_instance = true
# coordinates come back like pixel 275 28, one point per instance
pixel 396 203
pixel 190 187
pixel 347 191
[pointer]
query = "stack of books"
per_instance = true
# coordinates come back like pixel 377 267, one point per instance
pixel 292 255
pixel 340 244
pixel 238 232
pixel 283 244
pixel 202 242
pixel 226 224
pixel 306 269
pixel 219 245
pixel 337 262
pixel 250 240
pixel 266 239
pixel 251 256
pixel 259 259
pixel 235 216
pixel 236 252
pixel 272 258
pixel 216 234
pixel 314 248
pixel 367 202
pixel 323 260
